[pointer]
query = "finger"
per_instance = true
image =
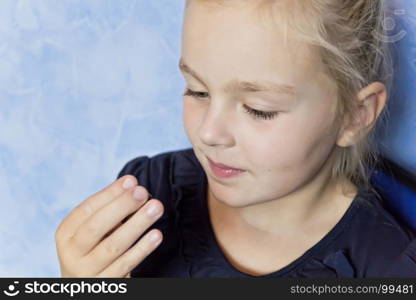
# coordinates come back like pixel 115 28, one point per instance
pixel 88 207
pixel 111 231
pixel 128 217
pixel 124 220
pixel 92 231
pixel 124 237
pixel 128 275
pixel 134 256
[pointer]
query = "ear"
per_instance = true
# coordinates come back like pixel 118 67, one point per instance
pixel 372 99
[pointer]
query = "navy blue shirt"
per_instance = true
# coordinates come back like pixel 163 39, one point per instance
pixel 366 242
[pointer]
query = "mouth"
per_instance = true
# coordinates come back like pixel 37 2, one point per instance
pixel 223 166
pixel 223 171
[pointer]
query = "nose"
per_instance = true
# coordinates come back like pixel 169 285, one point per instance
pixel 216 128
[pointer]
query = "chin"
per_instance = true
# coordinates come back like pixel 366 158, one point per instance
pixel 234 201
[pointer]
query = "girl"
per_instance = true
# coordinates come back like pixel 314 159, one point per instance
pixel 280 108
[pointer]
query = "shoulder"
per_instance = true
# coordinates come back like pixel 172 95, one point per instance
pixel 165 158
pixel 370 242
pixel 164 173
pixel 377 237
pixel 379 222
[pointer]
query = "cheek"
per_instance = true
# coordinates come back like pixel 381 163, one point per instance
pixel 299 140
pixel 314 127
pixel 192 115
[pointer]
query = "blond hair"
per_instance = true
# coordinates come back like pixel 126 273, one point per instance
pixel 348 36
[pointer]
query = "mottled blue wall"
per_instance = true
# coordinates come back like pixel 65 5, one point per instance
pixel 84 87
pixel 398 143
pixel 87 85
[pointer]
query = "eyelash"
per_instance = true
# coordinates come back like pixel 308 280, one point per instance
pixel 266 115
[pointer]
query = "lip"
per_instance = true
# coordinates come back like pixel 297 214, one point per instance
pixel 223 171
pixel 222 166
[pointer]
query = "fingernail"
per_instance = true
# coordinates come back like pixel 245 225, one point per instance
pixel 152 210
pixel 128 183
pixel 154 236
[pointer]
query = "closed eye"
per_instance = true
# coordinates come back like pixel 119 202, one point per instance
pixel 266 115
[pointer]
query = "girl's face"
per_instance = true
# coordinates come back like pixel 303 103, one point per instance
pixel 229 50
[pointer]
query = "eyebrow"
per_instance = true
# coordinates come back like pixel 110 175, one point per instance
pixel 247 86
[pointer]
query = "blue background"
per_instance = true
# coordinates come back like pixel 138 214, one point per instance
pixel 86 86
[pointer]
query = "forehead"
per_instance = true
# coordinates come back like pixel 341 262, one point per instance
pixel 225 41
